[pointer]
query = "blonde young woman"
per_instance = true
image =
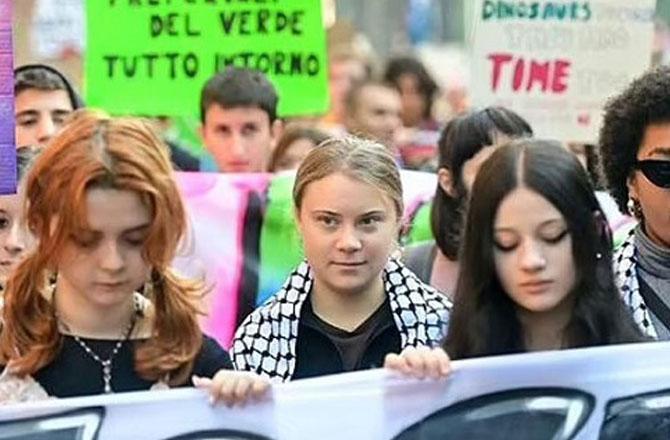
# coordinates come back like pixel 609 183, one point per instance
pixel 349 303
pixel 108 217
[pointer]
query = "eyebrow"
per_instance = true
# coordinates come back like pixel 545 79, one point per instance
pixel 33 112
pixel 27 113
pixel 541 225
pixel 365 214
pixel 373 212
pixel 138 228
pixel 326 211
pixel 660 150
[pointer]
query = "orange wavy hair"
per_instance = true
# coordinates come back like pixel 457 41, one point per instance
pixel 94 150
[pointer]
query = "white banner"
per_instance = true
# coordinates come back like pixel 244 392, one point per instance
pixel 556 62
pixel 617 392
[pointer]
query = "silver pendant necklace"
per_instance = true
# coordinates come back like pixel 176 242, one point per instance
pixel 106 364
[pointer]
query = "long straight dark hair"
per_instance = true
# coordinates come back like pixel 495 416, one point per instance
pixel 484 320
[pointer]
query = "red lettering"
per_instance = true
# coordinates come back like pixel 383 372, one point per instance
pixel 549 75
pixel 518 74
pixel 498 60
pixel 539 72
pixel 559 82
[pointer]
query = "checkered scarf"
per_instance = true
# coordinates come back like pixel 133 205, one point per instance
pixel 625 271
pixel 266 342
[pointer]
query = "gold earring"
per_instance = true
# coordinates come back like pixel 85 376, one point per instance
pixel 148 289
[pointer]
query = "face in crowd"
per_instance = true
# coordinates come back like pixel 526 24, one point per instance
pixel 533 252
pixel 40 114
pixel 375 113
pixel 464 145
pixel 15 239
pixel 293 146
pixel 471 166
pixel 294 154
pixel 535 232
pixel 649 182
pixel 343 72
pixel 414 102
pixel 240 138
pixel 101 265
pixel 346 239
pixel 634 151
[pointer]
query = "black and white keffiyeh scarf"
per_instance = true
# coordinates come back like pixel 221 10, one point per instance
pixel 266 342
pixel 625 274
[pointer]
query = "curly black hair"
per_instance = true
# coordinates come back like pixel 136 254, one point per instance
pixel 645 101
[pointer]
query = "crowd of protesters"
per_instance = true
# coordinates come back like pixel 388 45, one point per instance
pixel 522 257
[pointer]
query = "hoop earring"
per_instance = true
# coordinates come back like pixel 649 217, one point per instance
pixel 634 208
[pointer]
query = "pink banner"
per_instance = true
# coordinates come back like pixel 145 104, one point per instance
pixel 229 214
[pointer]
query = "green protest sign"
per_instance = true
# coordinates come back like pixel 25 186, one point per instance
pixel 153 56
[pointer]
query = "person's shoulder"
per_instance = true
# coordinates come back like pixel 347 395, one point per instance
pixel 283 307
pixel 417 291
pixel 182 158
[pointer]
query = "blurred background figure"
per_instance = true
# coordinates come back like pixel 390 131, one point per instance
pixel 373 112
pixel 466 142
pixel 417 141
pixel 417 91
pixel 43 100
pixel 349 62
pixel 181 157
pixel 293 146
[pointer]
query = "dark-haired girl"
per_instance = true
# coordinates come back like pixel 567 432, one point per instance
pixel 535 263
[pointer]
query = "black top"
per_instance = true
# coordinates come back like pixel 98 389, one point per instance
pixel 182 160
pixel 326 349
pixel 75 373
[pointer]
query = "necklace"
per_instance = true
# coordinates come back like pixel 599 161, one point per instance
pixel 107 363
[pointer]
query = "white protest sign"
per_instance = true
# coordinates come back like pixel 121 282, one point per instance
pixel 58 28
pixel 606 392
pixel 557 62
